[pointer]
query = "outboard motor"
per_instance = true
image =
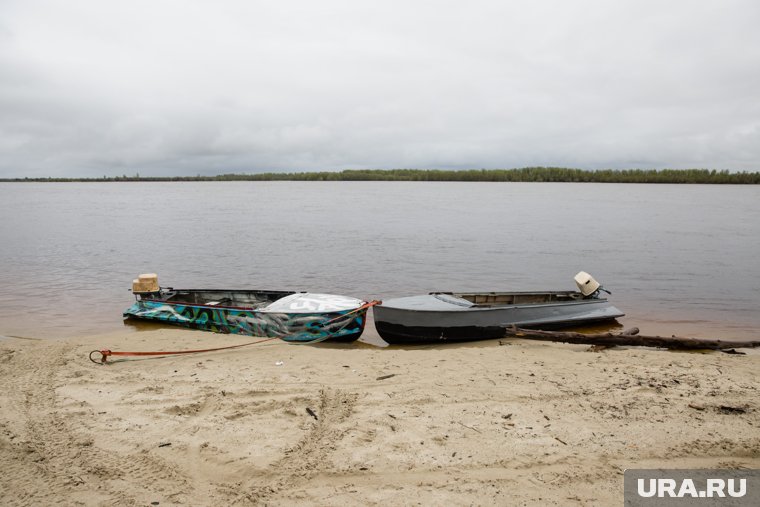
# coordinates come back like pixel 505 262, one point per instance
pixel 146 285
pixel 588 286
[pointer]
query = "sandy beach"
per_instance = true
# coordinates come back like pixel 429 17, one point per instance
pixel 510 422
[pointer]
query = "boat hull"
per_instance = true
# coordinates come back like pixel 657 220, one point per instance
pixel 341 326
pixel 424 319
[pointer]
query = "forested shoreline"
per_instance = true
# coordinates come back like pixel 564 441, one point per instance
pixel 527 174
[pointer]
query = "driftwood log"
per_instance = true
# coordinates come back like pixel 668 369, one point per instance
pixel 630 338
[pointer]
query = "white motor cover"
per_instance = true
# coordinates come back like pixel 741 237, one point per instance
pixel 586 283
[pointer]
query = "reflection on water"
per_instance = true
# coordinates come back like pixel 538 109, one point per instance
pixel 142 325
pixel 679 259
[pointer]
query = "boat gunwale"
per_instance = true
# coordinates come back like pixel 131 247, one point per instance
pixel 240 308
pixel 477 307
pixel 507 293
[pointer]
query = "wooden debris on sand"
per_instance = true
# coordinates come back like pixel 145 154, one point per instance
pixel 629 337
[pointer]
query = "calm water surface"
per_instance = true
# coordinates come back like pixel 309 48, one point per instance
pixel 679 259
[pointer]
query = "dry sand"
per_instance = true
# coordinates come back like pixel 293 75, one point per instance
pixel 523 423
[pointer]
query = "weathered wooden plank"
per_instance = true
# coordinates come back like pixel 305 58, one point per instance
pixel 630 338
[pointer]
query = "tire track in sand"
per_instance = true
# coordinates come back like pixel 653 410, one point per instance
pixel 309 456
pixel 47 455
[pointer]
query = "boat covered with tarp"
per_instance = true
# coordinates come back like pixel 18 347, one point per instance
pixel 463 316
pixel 289 315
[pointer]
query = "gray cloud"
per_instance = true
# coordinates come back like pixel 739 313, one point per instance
pixel 93 88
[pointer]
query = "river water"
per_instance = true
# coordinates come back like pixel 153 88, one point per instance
pixel 679 259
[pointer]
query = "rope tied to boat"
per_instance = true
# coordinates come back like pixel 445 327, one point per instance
pixel 341 328
pixel 106 353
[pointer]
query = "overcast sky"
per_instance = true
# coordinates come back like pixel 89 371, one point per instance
pixel 94 87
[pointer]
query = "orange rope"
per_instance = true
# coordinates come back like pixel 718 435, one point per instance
pixel 362 307
pixel 105 352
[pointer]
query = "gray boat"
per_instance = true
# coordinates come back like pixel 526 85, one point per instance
pixel 454 316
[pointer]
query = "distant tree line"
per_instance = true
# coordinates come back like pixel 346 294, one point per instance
pixel 527 174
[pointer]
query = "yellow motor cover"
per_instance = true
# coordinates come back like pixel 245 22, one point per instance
pixel 147 282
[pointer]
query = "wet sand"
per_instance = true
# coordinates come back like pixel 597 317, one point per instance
pixel 498 422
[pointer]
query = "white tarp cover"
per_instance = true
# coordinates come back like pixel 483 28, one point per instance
pixel 313 303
